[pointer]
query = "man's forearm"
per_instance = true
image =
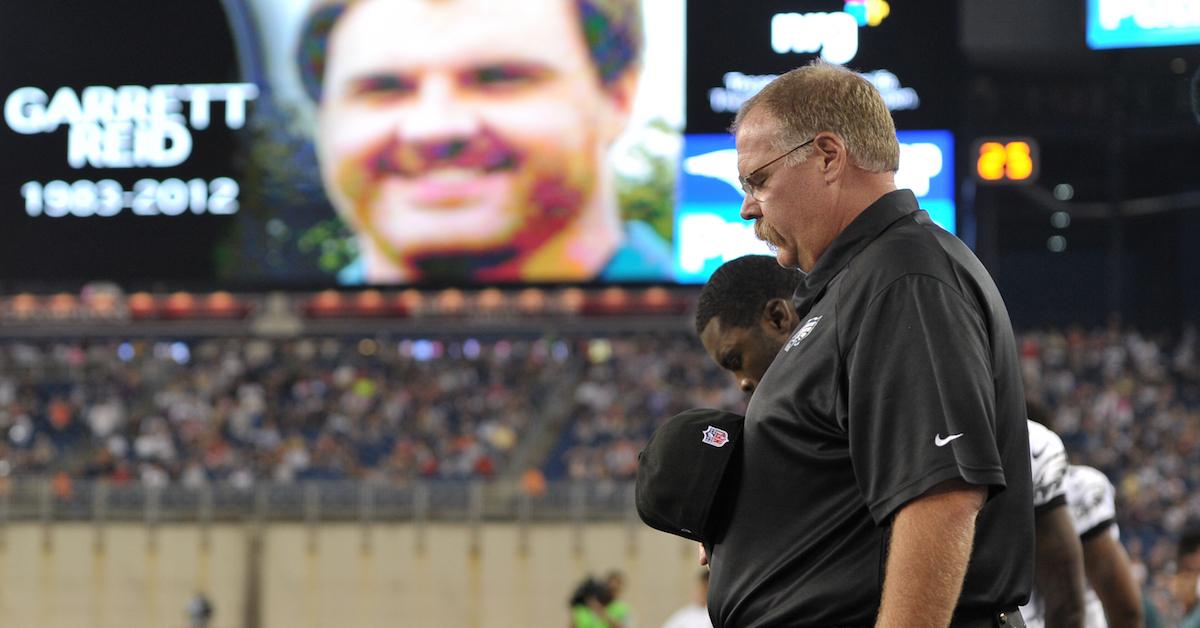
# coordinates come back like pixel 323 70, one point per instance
pixel 928 554
pixel 1059 568
pixel 1111 577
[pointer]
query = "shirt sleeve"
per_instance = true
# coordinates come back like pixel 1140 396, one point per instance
pixel 920 398
pixel 1092 500
pixel 1048 459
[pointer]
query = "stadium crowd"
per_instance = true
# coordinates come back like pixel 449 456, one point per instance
pixel 1129 405
pixel 629 387
pixel 238 410
pixel 243 410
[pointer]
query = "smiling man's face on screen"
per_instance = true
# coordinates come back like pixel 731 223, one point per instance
pixel 467 140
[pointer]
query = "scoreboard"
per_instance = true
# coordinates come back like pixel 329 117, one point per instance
pixel 177 144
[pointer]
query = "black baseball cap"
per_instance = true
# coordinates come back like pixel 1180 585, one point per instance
pixel 686 475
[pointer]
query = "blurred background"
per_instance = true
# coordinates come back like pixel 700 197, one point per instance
pixel 214 413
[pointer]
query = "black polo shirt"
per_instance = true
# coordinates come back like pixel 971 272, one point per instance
pixel 903 374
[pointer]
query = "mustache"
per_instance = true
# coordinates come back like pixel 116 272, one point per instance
pixel 767 234
pixel 485 151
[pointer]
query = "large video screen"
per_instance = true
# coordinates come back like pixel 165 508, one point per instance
pixel 1140 24
pixel 350 142
pixel 710 231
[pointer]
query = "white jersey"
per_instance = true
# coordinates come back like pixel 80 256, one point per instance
pixel 1048 459
pixel 1092 500
pixel 1093 504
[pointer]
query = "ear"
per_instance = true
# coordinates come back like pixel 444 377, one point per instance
pixel 831 150
pixel 779 316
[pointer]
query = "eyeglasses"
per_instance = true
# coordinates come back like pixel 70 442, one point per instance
pixel 750 187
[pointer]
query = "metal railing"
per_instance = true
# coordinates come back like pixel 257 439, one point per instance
pixel 36 499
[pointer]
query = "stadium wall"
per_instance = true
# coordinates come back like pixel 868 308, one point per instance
pixel 330 575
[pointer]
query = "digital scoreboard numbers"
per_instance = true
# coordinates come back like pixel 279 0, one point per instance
pixel 1006 160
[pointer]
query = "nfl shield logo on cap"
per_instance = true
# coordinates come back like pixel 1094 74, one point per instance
pixel 687 486
pixel 716 436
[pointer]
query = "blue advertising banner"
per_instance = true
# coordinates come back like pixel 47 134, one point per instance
pixel 709 230
pixel 1139 24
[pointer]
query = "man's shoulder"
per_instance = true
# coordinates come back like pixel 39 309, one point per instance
pixel 915 247
pixel 1084 477
pixel 1091 496
pixel 909 247
pixel 1048 460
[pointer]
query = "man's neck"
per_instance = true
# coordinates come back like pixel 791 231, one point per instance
pixel 863 190
pixel 859 191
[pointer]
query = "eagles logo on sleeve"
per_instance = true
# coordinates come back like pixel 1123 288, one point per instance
pixel 1092 499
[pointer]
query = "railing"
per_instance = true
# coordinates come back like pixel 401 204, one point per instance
pixel 39 501
pixel 36 499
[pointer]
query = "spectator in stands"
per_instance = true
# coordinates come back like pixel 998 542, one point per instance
pixel 250 410
pixel 1186 583
pixel 241 412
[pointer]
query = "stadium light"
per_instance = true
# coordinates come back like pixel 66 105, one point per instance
pixel 142 305
pixel 408 302
pixel 370 303
pixel 451 301
pixel 491 300
pixel 180 305
pixel 531 301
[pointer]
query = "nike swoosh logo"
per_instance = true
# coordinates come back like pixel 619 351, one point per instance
pixel 1038 454
pixel 941 442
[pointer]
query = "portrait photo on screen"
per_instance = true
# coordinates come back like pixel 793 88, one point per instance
pixel 462 141
pixel 299 143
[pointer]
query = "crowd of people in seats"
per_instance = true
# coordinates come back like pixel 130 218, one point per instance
pixel 1128 403
pixel 242 411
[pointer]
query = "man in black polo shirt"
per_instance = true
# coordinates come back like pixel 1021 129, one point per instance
pixel 886 474
pixel 744 317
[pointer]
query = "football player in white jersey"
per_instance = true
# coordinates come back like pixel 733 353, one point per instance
pixel 1057 599
pixel 1112 599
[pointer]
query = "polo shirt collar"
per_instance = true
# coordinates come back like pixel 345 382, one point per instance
pixel 873 220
